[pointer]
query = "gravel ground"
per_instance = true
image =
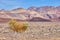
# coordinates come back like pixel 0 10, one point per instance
pixel 35 31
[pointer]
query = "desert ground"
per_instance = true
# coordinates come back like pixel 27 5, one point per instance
pixel 35 31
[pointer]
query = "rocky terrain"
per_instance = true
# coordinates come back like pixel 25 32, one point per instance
pixel 35 31
pixel 49 13
pixel 43 23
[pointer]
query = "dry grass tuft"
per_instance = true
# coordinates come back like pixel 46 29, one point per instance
pixel 18 26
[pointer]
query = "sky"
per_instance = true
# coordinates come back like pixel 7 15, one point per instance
pixel 12 4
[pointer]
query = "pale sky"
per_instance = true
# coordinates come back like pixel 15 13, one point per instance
pixel 11 4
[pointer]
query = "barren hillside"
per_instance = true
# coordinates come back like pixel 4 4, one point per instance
pixel 46 12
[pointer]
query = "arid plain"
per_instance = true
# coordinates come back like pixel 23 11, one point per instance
pixel 35 31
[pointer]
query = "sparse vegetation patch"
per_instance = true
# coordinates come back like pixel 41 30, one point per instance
pixel 18 26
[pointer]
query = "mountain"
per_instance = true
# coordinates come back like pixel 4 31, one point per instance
pixel 45 13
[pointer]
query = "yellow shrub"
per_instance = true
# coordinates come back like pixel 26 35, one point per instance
pixel 18 26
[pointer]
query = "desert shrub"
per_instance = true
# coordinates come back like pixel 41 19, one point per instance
pixel 18 26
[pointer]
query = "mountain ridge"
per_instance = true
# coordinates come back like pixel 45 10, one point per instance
pixel 46 12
